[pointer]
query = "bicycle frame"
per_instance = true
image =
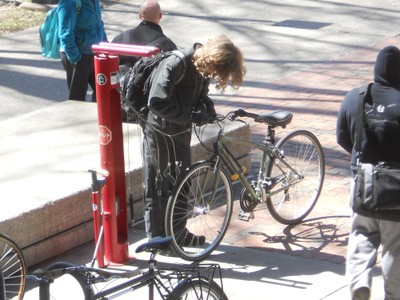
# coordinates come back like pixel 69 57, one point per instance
pixel 163 280
pixel 146 279
pixel 269 151
pixel 153 279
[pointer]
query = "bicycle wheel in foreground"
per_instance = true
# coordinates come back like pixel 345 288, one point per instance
pixel 199 211
pixel 299 194
pixel 12 269
pixel 199 289
pixel 66 284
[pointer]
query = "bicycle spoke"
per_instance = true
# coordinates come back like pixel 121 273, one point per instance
pixel 201 204
pixel 12 268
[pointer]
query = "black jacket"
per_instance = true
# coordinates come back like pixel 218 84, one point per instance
pixel 145 34
pixel 381 134
pixel 173 102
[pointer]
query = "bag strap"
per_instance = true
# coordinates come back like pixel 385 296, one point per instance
pixel 183 58
pixel 363 92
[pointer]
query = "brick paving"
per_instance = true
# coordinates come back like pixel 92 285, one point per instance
pixel 314 96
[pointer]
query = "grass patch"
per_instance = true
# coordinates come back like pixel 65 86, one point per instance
pixel 14 18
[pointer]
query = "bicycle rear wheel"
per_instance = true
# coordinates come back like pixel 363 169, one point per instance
pixel 299 194
pixel 201 203
pixel 198 289
pixel 12 269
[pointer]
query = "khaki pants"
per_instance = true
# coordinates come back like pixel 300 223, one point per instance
pixel 366 236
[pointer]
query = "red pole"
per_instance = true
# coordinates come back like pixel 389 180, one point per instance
pixel 112 158
pixel 111 146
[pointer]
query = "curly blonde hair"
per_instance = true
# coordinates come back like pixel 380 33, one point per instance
pixel 221 60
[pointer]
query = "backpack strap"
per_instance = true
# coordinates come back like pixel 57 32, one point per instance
pixel 363 92
pixel 182 56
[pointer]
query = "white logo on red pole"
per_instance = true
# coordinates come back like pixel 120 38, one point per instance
pixel 105 135
pixel 101 79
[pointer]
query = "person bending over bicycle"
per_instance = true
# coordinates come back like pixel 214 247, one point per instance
pixel 167 133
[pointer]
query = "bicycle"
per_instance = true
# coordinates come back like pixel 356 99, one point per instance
pixel 12 269
pixel 290 178
pixel 191 282
pixel 195 281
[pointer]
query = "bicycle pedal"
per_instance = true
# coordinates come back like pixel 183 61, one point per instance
pixel 245 216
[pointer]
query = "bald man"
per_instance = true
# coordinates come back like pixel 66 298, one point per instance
pixel 147 33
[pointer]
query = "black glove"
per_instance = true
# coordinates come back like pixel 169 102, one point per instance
pixel 202 118
pixel 210 109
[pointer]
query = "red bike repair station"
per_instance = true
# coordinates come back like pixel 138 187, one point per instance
pixel 111 237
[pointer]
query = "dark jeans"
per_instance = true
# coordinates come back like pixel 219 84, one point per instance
pixel 159 151
pixel 79 77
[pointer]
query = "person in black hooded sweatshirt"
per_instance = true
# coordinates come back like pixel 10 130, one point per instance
pixel 381 142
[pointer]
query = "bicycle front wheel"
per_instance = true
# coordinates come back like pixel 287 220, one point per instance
pixel 199 211
pixel 66 285
pixel 296 192
pixel 12 269
pixel 198 289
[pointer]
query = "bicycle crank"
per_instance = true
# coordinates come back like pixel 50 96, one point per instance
pixel 247 204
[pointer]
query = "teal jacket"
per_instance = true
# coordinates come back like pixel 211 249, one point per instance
pixel 80 27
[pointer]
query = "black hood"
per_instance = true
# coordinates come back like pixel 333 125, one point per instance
pixel 387 67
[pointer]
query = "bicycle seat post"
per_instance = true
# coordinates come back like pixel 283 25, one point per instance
pixel 152 261
pixel 44 288
pixel 270 136
pixel 152 266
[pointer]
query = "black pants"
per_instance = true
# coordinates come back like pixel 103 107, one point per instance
pixel 159 151
pixel 79 77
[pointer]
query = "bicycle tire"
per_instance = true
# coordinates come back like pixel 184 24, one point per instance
pixel 12 269
pixel 68 285
pixel 303 152
pixel 198 289
pixel 202 199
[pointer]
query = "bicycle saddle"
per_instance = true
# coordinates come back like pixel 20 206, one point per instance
pixel 275 118
pixel 157 243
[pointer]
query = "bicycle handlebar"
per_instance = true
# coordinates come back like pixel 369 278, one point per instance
pixel 243 113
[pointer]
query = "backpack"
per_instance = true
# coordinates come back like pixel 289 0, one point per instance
pixel 48 33
pixel 136 84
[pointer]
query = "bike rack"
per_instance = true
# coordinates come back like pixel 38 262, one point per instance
pixel 106 64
